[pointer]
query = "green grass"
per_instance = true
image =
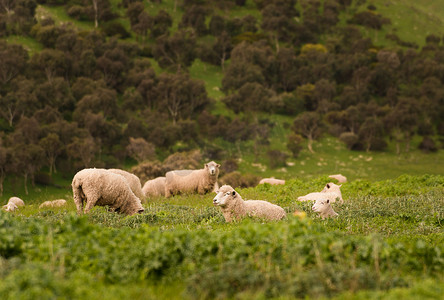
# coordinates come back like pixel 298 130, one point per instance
pixel 28 43
pixel 60 17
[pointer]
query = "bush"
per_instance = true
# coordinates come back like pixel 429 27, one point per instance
pixel 428 145
pixel 276 158
pixel 350 139
pixel 115 29
pixel 236 179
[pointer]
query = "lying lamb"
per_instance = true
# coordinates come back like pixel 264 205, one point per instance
pixel 330 192
pixel 133 181
pixel 53 203
pixel 154 187
pixel 324 208
pixel 234 207
pixel 13 204
pixel 272 181
pixel 102 187
pixel 191 181
pixel 339 177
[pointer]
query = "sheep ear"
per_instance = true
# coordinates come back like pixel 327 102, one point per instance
pixel 328 200
pixel 340 185
pixel 206 165
pixel 328 185
pixel 218 165
pixel 234 193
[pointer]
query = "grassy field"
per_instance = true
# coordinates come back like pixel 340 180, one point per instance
pixel 387 242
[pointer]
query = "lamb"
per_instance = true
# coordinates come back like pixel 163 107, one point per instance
pixel 272 181
pixel 201 181
pixel 324 208
pixel 234 207
pixel 9 207
pixel 133 181
pixel 339 177
pixel 154 187
pixel 17 201
pixel 330 192
pixel 102 187
pixel 52 204
pixel 13 204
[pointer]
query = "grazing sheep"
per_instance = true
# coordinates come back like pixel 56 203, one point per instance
pixel 234 207
pixel 52 204
pixel 154 187
pixel 9 207
pixel 191 181
pixel 324 208
pixel 101 187
pixel 339 177
pixel 133 181
pixel 17 201
pixel 330 192
pixel 272 181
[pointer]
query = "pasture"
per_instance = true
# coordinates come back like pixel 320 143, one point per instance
pixel 387 241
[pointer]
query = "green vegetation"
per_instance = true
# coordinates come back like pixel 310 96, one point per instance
pixel 387 240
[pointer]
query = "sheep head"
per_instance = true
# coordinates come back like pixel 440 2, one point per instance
pixel 321 206
pixel 224 195
pixel 213 168
pixel 331 187
pixel 9 207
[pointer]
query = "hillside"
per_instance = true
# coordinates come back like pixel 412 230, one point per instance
pixel 271 88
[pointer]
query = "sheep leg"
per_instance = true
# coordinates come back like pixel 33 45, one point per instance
pixel 78 199
pixel 90 204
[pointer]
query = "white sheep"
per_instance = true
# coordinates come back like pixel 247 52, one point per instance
pixel 339 177
pixel 272 181
pixel 17 201
pixel 323 207
pixel 53 203
pixel 330 192
pixel 133 181
pixel 201 181
pixel 154 187
pixel 101 187
pixel 234 207
pixel 9 207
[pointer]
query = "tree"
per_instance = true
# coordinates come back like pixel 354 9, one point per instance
pixel 308 124
pixel 371 132
pixel 84 149
pixel 52 146
pixel 177 51
pixel 28 159
pixel 3 162
pixel 13 59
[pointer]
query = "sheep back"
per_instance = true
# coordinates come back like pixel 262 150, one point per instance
pixel 272 181
pixel 154 187
pixel 133 182
pixel 17 201
pixel 53 203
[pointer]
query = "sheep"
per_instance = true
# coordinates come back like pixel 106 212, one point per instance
pixel 330 192
pixel 324 208
pixel 154 187
pixel 102 187
pixel 234 207
pixel 201 181
pixel 339 177
pixel 10 207
pixel 272 181
pixel 52 204
pixel 17 201
pixel 133 181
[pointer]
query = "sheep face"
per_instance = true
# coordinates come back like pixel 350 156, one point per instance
pixel 212 168
pixel 320 206
pixel 224 195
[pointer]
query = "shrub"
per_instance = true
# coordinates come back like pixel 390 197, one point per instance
pixel 350 139
pixel 236 179
pixel 276 158
pixel 428 145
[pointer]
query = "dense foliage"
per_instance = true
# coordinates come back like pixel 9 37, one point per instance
pixel 89 95
pixel 388 236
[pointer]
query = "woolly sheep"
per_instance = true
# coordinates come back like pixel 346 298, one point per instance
pixel 234 207
pixel 272 181
pixel 154 187
pixel 101 187
pixel 9 207
pixel 53 203
pixel 201 181
pixel 133 182
pixel 330 192
pixel 17 201
pixel 339 177
pixel 323 207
